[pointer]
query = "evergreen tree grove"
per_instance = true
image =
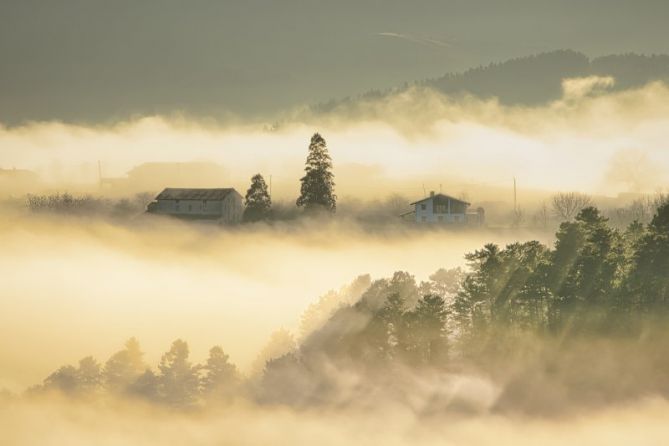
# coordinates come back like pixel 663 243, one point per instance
pixel 257 201
pixel 317 190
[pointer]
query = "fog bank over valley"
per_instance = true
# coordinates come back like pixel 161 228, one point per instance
pixel 590 140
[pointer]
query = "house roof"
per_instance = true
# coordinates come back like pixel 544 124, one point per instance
pixel 443 196
pixel 173 193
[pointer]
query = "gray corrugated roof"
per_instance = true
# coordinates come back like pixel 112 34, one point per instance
pixel 442 196
pixel 173 193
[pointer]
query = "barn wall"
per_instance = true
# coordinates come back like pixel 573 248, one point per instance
pixel 233 208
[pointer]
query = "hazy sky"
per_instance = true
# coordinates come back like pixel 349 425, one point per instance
pixel 96 60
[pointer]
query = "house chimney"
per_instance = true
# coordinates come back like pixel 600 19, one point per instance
pixel 431 193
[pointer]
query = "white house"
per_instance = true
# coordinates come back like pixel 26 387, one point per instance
pixel 444 209
pixel 223 205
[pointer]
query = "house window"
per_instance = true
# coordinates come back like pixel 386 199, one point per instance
pixel 204 204
pixel 190 207
pixel 177 205
pixel 423 206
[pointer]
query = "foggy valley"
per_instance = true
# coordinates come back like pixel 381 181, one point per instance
pixel 363 223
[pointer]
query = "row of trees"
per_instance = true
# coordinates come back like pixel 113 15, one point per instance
pixel 564 206
pixel 596 278
pixel 176 383
pixel 316 190
pixel 87 205
pixel 179 383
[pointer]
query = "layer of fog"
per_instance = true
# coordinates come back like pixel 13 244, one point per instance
pixel 56 423
pixel 590 140
pixel 75 286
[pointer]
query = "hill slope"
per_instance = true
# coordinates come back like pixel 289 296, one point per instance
pixel 535 79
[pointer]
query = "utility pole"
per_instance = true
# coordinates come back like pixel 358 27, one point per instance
pixel 515 197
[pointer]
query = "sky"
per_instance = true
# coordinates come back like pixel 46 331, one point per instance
pixel 93 61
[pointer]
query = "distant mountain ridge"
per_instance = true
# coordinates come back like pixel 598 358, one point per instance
pixel 536 79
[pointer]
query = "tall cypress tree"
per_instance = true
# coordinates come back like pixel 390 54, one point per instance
pixel 257 201
pixel 317 191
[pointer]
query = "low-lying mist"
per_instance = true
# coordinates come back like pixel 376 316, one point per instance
pixel 591 140
pixel 533 342
pixel 79 286
pixel 23 424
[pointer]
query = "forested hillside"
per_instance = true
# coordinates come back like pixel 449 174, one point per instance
pixel 535 79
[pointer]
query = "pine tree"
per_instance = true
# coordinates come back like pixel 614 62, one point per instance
pixel 257 201
pixel 124 367
pixel 221 377
pixel 317 191
pixel 178 379
pixel 648 282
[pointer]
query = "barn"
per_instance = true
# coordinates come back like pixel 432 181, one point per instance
pixel 223 204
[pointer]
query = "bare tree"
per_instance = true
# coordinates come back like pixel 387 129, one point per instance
pixel 541 216
pixel 567 204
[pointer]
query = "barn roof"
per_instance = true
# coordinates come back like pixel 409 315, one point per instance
pixel 173 193
pixel 442 196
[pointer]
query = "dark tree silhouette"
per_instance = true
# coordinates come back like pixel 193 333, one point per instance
pixel 257 201
pixel 317 189
pixel 648 280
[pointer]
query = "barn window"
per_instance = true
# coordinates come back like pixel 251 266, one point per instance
pixel 423 206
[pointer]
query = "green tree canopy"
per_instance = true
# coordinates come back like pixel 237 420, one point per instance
pixel 317 190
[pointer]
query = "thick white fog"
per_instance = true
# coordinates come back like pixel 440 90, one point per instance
pixel 23 424
pixel 74 287
pixel 590 140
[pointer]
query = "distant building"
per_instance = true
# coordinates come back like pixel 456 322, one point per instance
pixel 223 205
pixel 444 209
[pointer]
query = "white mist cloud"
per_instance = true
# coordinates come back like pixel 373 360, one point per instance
pixel 409 139
pixel 578 88
pixel 58 423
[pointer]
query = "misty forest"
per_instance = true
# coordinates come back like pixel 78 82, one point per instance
pixel 370 222
pixel 551 323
